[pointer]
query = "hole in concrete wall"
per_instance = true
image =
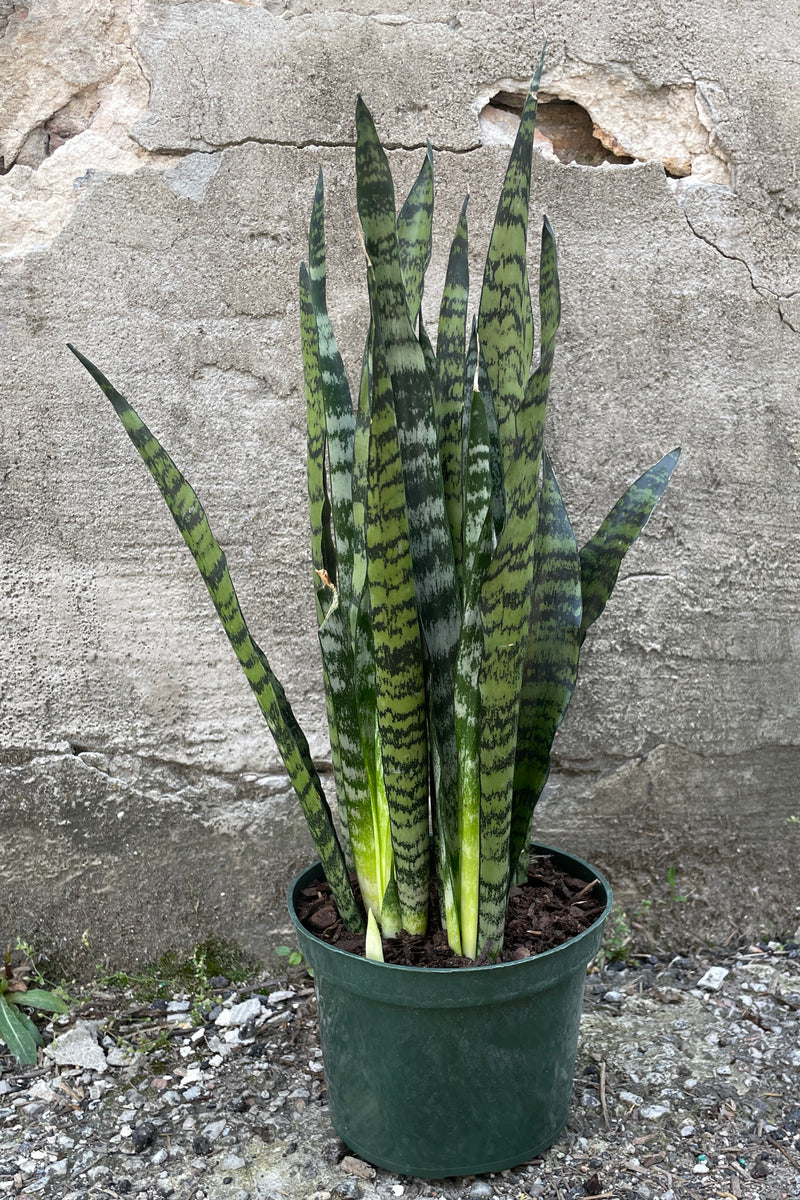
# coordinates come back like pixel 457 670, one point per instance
pixel 666 125
pixel 564 129
pixel 7 10
pixel 45 139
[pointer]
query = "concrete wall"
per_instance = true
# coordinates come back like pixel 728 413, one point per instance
pixel 159 165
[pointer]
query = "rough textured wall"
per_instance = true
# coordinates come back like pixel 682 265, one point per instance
pixel 159 162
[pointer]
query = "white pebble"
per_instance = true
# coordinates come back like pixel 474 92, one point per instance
pixel 653 1112
pixel 240 1014
pixel 713 979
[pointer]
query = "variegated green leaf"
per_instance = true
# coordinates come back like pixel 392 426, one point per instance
pixel 391 916
pixel 347 651
pixel 478 543
pixel 428 352
pixel 452 386
pixel 336 400
pixel 191 520
pixel 602 554
pixel 496 465
pixel 431 545
pixel 353 785
pixel 323 554
pixel 551 667
pixel 505 322
pixel 397 652
pixel 414 230
pixel 505 332
pixel 373 948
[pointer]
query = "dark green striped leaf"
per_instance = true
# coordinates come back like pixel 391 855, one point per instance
pixel 414 235
pixel 505 322
pixel 602 554
pixel 452 386
pixel 323 554
pixel 191 520
pixel 334 396
pixel 429 533
pixel 478 542
pixel 505 333
pixel 551 666
pixel 397 652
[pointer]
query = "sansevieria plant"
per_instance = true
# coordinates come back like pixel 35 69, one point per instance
pixel 451 595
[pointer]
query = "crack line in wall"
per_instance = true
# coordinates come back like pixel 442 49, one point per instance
pixel 764 292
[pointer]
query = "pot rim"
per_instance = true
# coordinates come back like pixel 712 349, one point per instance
pixel 462 972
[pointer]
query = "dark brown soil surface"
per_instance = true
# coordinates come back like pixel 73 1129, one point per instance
pixel 550 908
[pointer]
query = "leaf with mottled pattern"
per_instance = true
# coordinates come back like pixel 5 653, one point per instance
pixel 191 520
pixel 602 554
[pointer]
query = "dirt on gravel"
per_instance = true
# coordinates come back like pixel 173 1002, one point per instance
pixel 686 1088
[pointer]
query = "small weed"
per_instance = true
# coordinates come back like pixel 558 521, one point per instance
pixel 675 898
pixel 209 960
pixel 617 940
pixel 19 1033
pixel 294 958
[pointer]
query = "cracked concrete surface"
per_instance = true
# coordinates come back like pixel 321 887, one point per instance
pixel 159 161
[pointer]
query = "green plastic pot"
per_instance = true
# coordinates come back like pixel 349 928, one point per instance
pixel 440 1072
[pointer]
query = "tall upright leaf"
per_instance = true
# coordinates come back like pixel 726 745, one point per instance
pixel 505 332
pixel 429 533
pixel 551 667
pixel 397 652
pixel 323 551
pixel 478 542
pixel 337 403
pixel 505 321
pixel 453 389
pixel 414 235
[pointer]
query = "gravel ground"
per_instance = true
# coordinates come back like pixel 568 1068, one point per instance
pixel 687 1085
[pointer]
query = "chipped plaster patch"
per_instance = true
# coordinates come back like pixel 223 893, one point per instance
pixel 192 175
pixel 66 115
pixel 631 119
pixel 36 204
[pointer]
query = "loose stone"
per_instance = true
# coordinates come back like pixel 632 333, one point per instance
pixel 143 1135
pixel 348 1189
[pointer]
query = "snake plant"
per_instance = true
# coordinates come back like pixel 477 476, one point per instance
pixel 451 595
